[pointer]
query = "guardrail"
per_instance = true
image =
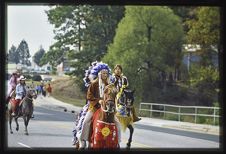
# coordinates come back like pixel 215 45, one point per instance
pixel 162 109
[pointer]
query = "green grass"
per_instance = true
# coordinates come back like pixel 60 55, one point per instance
pixel 73 101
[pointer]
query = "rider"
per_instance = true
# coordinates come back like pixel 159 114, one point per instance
pixel 20 94
pixel 95 96
pixel 121 80
pixel 12 85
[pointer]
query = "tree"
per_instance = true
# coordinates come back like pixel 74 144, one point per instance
pixel 82 33
pixel 38 55
pixel 148 40
pixel 24 53
pixel 185 12
pixel 204 30
pixel 13 55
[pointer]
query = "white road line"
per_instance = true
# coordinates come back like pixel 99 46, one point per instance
pixel 24 145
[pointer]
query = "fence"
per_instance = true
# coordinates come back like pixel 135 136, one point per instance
pixel 161 108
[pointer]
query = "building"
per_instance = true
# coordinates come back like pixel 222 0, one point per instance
pixel 191 56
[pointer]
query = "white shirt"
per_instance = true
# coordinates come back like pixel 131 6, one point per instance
pixel 20 91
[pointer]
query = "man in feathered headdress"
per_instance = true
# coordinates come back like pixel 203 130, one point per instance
pixel 95 94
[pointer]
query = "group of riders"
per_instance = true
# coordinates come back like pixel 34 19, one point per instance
pixel 96 79
pixel 16 90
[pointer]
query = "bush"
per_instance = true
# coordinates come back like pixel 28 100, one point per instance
pixel 36 78
pixel 27 76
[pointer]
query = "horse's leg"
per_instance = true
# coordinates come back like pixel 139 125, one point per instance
pixel 26 120
pixel 81 142
pixel 17 124
pixel 131 129
pixel 10 122
pixel 84 135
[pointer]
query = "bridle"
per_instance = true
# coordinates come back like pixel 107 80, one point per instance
pixel 108 110
pixel 30 98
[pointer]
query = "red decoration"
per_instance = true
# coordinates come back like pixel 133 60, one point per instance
pixel 14 102
pixel 105 135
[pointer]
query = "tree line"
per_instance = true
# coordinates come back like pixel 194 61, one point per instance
pixel 22 54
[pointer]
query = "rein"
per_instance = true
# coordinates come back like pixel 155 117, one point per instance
pixel 29 98
pixel 26 97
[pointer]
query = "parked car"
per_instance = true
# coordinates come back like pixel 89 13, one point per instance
pixel 46 79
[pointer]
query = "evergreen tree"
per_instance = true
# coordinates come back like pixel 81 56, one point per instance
pixel 38 55
pixel 13 55
pixel 24 53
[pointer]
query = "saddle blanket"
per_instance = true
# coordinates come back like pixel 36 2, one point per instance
pixel 14 102
pixel 105 135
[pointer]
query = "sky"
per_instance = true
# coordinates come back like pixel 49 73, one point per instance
pixel 29 22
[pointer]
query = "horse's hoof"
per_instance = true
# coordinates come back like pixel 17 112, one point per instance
pixel 26 133
pixel 81 148
pixel 17 128
pixel 128 146
pixel 76 145
pixel 11 132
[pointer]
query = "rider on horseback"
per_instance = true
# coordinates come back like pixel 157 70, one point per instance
pixel 20 94
pixel 12 86
pixel 94 97
pixel 121 82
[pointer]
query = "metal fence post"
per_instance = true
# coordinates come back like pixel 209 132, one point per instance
pixel 195 114
pixel 214 112
pixel 151 111
pixel 164 108
pixel 179 113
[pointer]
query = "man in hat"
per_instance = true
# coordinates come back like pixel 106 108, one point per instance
pixel 20 94
pixel 94 96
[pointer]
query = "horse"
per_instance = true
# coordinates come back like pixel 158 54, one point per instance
pixel 103 133
pixel 25 110
pixel 124 114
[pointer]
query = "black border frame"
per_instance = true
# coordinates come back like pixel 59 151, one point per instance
pixel 3 17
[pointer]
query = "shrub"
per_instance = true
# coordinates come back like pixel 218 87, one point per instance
pixel 27 76
pixel 36 78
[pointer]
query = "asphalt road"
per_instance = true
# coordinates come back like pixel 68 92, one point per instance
pixel 53 129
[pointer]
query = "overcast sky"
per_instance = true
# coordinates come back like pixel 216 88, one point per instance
pixel 29 22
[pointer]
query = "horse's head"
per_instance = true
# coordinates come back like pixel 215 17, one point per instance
pixel 129 97
pixel 31 93
pixel 108 104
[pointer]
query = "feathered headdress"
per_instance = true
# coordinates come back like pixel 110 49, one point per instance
pixel 93 70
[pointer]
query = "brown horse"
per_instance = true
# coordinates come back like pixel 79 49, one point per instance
pixel 104 132
pixel 25 110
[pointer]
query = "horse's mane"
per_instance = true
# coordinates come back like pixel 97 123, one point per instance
pixel 110 90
